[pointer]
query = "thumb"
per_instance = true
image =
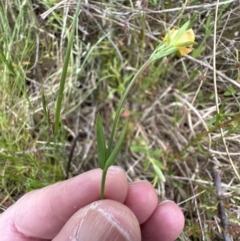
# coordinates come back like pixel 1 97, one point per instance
pixel 102 220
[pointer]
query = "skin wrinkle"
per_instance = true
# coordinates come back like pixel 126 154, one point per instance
pixel 31 201
pixel 76 232
pixel 114 223
pixel 104 213
pixel 11 230
pixel 46 204
pixel 61 189
pixel 7 225
pixel 27 216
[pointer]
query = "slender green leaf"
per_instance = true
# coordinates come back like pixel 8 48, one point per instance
pixel 120 104
pixel 7 63
pixel 157 153
pixel 45 108
pixel 101 142
pixel 116 150
pixel 157 163
pixel 181 30
pixel 158 55
pixel 155 180
pixel 146 164
pixel 64 71
pixel 158 171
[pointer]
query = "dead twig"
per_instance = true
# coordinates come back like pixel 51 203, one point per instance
pixel 221 209
pixel 71 154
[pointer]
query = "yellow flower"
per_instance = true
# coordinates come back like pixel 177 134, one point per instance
pixel 183 42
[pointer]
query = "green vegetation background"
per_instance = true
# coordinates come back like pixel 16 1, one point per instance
pixel 173 118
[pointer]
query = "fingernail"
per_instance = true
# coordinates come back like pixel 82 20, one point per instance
pixel 137 182
pixel 99 223
pixel 165 201
pixel 116 169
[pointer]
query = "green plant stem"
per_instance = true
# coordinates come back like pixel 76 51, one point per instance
pixel 157 54
pixel 104 175
pixel 118 111
pixel 160 52
pixel 64 71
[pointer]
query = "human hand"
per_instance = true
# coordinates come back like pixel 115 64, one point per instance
pixel 71 210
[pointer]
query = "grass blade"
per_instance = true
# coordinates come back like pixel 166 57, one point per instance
pixel 64 72
pixel 116 150
pixel 7 63
pixel 45 108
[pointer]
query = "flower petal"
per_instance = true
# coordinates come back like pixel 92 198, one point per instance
pixel 183 42
pixel 184 50
pixel 187 36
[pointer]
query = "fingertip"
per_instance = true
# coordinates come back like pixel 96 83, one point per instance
pixel 166 223
pixel 142 200
pixel 116 177
pixel 116 187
